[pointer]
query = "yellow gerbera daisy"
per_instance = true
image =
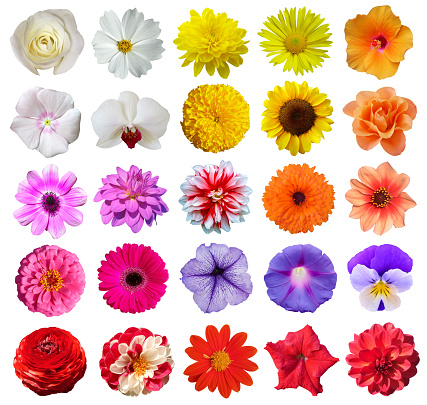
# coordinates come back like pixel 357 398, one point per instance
pixel 211 41
pixel 296 115
pixel 297 41
pixel 216 117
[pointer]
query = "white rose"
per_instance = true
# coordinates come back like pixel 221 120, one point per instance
pixel 48 39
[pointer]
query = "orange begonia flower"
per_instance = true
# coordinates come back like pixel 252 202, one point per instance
pixel 381 116
pixel 378 199
pixel 377 42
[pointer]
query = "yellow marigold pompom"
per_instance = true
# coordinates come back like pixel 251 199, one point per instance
pixel 216 117
pixel 211 41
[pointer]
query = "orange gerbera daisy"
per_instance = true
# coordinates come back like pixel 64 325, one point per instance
pixel 298 199
pixel 220 361
pixel 377 42
pixel 378 199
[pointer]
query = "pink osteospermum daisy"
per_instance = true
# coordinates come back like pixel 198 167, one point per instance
pixel 133 277
pixel 50 280
pixel 136 362
pixel 131 197
pixel 49 202
pixel 215 196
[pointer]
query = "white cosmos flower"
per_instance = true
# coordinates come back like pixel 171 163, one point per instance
pixel 47 121
pixel 130 120
pixel 128 45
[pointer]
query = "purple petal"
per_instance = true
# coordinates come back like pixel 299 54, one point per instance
pixel 119 219
pixel 71 215
pixel 75 197
pixel 362 276
pixel 27 214
pixel 204 255
pixel 56 226
pixel 106 218
pixel 137 227
pixel 131 218
pixel 208 297
pixel 66 183
pixel 294 255
pixel 310 256
pixel 36 181
pixel 401 280
pixel 196 267
pixel 51 177
pixel 40 223
pixel 131 205
pixel 25 187
pixel 364 257
pixel 117 206
pixel 27 198
pixel 388 257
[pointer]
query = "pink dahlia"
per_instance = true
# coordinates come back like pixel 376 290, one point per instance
pixel 132 197
pixel 215 196
pixel 133 277
pixel 136 362
pixel 50 280
pixel 49 202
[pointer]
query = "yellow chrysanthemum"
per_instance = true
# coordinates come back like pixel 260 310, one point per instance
pixel 216 117
pixel 296 116
pixel 297 41
pixel 211 41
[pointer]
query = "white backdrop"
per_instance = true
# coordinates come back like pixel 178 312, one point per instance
pixel 177 316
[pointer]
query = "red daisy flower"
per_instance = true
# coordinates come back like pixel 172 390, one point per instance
pixel 220 361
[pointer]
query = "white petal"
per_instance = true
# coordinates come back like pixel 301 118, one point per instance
pixel 149 343
pixel 112 26
pixel 56 102
pixel 129 102
pixel 16 41
pixel 151 48
pixel 362 277
pixel 147 30
pixel 137 340
pixel 105 47
pixel 114 368
pixel 131 21
pixel 29 104
pixel 27 130
pixel 368 300
pixel 124 382
pixel 52 144
pixel 391 300
pixel 119 65
pixel 138 64
pixel 68 125
pixel 123 348
pixel 401 280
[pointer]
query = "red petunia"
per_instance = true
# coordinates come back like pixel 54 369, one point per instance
pixel 383 359
pixel 301 360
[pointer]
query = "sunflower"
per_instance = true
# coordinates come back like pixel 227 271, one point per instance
pixel 296 115
pixel 297 41
pixel 298 198
pixel 212 42
pixel 216 117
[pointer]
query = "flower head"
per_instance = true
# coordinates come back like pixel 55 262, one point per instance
pixel 49 202
pixel 131 120
pixel 379 273
pixel 131 197
pixel 47 121
pixel 221 362
pixel 133 277
pixel 128 45
pixel 383 359
pixel 377 42
pixel 301 360
pixel 300 278
pixel 296 115
pixel 216 117
pixel 296 41
pixel 136 362
pixel 215 196
pixel 378 199
pixel 50 361
pixel 298 198
pixel 217 277
pixel 212 42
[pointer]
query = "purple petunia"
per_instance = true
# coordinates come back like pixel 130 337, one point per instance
pixel 217 277
pixel 131 197
pixel 300 278
pixel 49 202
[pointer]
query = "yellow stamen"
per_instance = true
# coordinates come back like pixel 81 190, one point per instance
pixel 380 198
pixel 140 366
pixel 124 46
pixel 381 288
pixel 220 360
pixel 51 280
pixel 295 42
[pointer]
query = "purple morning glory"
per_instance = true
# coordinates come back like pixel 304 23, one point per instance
pixel 217 277
pixel 379 273
pixel 300 278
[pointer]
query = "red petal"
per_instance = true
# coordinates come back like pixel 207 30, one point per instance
pixel 198 368
pixel 201 345
pixel 236 341
pixel 204 380
pixel 212 336
pixel 223 387
pixel 240 375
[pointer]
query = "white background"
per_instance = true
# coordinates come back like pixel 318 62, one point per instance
pixel 177 316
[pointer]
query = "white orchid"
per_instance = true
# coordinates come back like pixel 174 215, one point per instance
pixel 127 45
pixel 130 120
pixel 47 121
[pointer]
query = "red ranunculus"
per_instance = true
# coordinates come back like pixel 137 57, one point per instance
pixel 383 359
pixel 301 360
pixel 50 361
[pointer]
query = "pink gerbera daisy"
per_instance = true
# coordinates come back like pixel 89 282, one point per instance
pixel 49 202
pixel 215 196
pixel 133 277
pixel 50 280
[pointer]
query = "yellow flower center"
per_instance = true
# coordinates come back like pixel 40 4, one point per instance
pixel 47 121
pixel 140 366
pixel 124 46
pixel 380 288
pixel 51 280
pixel 295 43
pixel 220 360
pixel 380 198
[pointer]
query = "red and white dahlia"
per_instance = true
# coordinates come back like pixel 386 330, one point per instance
pixel 136 362
pixel 215 196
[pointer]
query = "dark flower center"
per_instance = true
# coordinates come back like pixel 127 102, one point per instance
pixel 217 271
pixel 298 198
pixel 131 136
pixel 379 42
pixel 50 203
pixel 297 116
pixel 48 345
pixel 380 198
pixel 134 279
pixel 382 365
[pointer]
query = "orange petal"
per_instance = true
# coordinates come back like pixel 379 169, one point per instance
pixel 369 217
pixel 398 215
pixel 356 56
pixel 231 381
pixel 362 128
pixel 194 354
pixel 224 336
pixel 246 364
pixel 386 173
pixel 357 212
pixel 357 198
pixel 236 341
pixel 396 48
pixel 200 345
pixel 223 387
pixel 364 97
pixel 198 368
pixel 368 142
pixel 245 352
pixel 404 202
pixel 369 176
pixel 240 375
pixel 386 92
pixel 363 188
pixel 212 336
pixel 412 108
pixel 384 223
pixel 350 107
pixel 377 64
pixel 204 380
pixel 394 145
pixel 404 122
pixel 213 384
pixel 388 24
pixel 360 30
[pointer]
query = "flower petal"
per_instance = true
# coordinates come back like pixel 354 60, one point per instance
pixel 111 25
pixel 68 126
pixel 27 130
pixel 29 105
pixel 52 144
pixel 129 102
pixel 119 65
pixel 55 102
pixel 401 280
pixel 362 277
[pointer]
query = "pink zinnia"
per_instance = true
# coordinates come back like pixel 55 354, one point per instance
pixel 50 280
pixel 131 197
pixel 215 196
pixel 49 202
pixel 133 277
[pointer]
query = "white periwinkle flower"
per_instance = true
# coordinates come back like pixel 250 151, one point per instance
pixel 128 45
pixel 47 121
pixel 130 120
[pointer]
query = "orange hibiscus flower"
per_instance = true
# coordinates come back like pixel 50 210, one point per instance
pixel 381 116
pixel 377 42
pixel 378 199
pixel 220 361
